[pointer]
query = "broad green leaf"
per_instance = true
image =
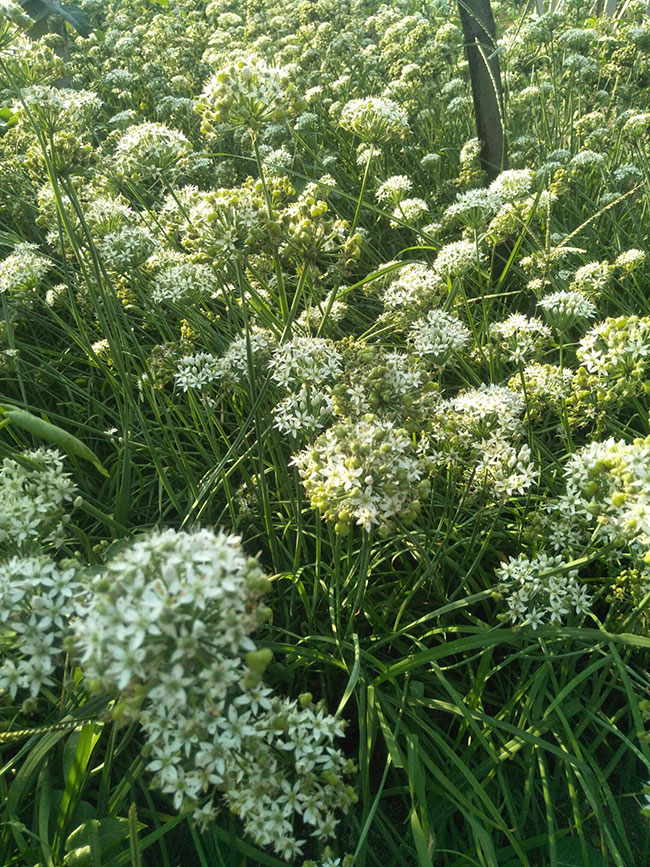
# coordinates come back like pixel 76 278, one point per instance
pixel 421 843
pixel 74 15
pixel 78 18
pixel 97 836
pixel 51 432
pixel 84 743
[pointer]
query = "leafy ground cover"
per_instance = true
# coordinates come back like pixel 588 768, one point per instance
pixel 325 495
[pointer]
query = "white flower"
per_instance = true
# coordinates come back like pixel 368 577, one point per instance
pixel 565 308
pixel 23 270
pixel 439 335
pixel 630 260
pixel 303 412
pixel 619 346
pixel 540 589
pixel 247 91
pixel 277 162
pixel 503 469
pixel 549 382
pixel 592 278
pixel 183 281
pixel 148 151
pixel 33 499
pixel 457 258
pixel 415 286
pixel 607 487
pixel 311 360
pixel 233 366
pixel 520 335
pixel 394 189
pixel 59 108
pixel 374 119
pixel 473 207
pixel 409 211
pixel 127 248
pixel 485 412
pixel 38 601
pixel 197 371
pixel 513 184
pixel 363 471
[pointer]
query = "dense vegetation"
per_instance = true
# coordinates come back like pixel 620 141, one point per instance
pixel 325 495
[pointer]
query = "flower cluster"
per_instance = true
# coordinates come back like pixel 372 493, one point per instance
pixel 185 281
pixel 473 207
pixel 303 412
pixel 617 347
pixel 607 487
pixel 411 211
pixel 394 189
pixel 484 412
pixel 147 152
pixel 592 278
pixel 565 308
pixel 439 336
pixel 38 599
pixel 220 222
pixel 544 386
pixel 35 494
pixel 630 260
pixel 305 360
pixel 457 258
pixel 167 627
pixel 365 472
pixel 168 591
pixel 512 184
pixel 127 248
pixel 58 108
pixel 392 385
pixel 248 92
pixel 413 288
pixel 520 336
pixel 23 270
pixel 476 434
pixel 504 470
pixel 374 119
pixel 541 590
pixel 197 371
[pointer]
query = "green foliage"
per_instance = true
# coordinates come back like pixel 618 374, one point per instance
pixel 69 12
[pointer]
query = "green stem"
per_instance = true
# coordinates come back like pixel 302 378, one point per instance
pixel 260 171
pixel 282 292
pixel 363 189
pixel 362 577
pixel 291 315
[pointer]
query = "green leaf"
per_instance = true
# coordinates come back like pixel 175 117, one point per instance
pixel 51 432
pixel 36 9
pixel 76 759
pixel 20 788
pixel 7 119
pixel 96 838
pixel 570 854
pixel 354 676
pixel 421 843
pixel 78 18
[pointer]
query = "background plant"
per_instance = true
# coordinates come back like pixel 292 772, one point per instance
pixel 251 261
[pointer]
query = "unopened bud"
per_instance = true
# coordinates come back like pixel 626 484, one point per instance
pixel 257 660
